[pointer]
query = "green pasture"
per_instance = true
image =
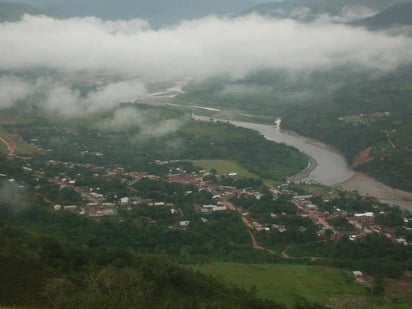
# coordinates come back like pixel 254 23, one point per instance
pixel 289 283
pixel 224 167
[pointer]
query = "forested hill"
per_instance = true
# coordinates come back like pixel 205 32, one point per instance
pixel 370 121
pixel 43 271
pixel 309 9
pixel 364 113
pixel 14 11
pixel 398 14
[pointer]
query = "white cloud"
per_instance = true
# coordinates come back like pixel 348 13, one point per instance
pixel 162 128
pixel 66 100
pixel 130 118
pixel 12 90
pixel 123 119
pixel 197 48
pixel 12 197
pixel 349 14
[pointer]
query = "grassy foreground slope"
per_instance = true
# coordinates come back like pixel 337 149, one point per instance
pixel 288 283
pixel 292 284
pixel 39 271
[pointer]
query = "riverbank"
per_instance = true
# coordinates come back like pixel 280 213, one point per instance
pixel 306 172
pixel 327 166
pixel 366 185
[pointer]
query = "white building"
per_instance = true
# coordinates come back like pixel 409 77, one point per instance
pixel 184 223
pixel 124 200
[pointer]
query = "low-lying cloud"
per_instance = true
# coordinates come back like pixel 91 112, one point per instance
pixel 233 47
pixel 349 14
pixel 13 90
pixel 68 101
pixel 129 118
pixel 12 197
pixel 203 47
pixel 65 99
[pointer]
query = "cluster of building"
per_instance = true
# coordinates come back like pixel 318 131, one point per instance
pixel 96 205
pixel 363 222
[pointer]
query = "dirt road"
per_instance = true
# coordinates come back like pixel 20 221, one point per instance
pixel 249 226
pixel 11 146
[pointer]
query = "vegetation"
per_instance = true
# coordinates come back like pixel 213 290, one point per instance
pixel 341 223
pixel 117 214
pixel 136 150
pixel 368 119
pixel 75 259
pixel 39 271
pixel 373 254
pixel 290 283
pixel 268 160
pixel 224 167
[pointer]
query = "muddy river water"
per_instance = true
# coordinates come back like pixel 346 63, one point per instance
pixel 327 166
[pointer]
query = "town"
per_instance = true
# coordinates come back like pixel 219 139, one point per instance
pixel 328 213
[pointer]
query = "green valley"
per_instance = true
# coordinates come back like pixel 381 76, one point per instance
pixel 203 154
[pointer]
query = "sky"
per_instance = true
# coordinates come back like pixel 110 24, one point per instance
pixel 199 49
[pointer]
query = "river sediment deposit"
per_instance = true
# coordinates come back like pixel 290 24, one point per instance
pixel 327 166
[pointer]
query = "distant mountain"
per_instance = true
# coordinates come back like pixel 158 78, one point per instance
pixel 398 14
pixel 158 12
pixel 310 9
pixel 14 11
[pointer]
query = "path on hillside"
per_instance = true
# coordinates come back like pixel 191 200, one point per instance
pixel 285 255
pixel 11 146
pixel 254 242
pixel 389 140
pixel 249 227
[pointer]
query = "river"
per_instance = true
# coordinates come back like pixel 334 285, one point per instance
pixel 327 166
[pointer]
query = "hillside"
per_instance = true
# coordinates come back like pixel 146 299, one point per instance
pixel 362 113
pixel 99 215
pixel 14 11
pixel 373 121
pixel 396 15
pixel 310 9
pixel 47 272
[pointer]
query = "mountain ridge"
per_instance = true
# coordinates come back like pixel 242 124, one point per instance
pixel 311 9
pixel 15 11
pixel 398 14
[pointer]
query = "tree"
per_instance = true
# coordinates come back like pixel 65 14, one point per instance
pixel 328 233
pixel 59 292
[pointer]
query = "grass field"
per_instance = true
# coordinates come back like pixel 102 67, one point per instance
pixel 21 146
pixel 289 283
pixel 224 167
